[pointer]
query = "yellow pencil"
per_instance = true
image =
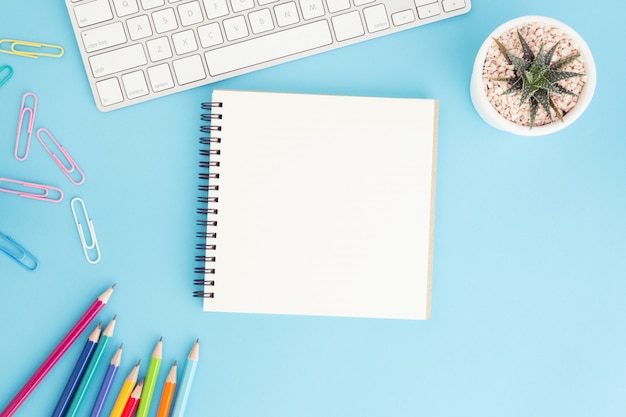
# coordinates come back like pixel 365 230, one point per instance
pixel 125 392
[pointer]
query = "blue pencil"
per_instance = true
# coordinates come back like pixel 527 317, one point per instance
pixel 77 373
pixel 185 386
pixel 105 388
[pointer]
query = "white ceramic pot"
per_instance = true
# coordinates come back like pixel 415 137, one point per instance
pixel 491 115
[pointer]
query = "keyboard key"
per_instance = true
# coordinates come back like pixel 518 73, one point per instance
pixel 184 42
pixel 109 91
pixel 286 14
pixel 241 5
pixel 139 27
pixel 452 5
pixel 264 2
pixel 210 35
pixel 215 8
pixel 403 17
pixel 159 49
pixel 337 5
pixel 311 9
pixel 118 60
pixel 429 10
pixel 261 21
pixel 160 77
pixel 104 37
pixel 97 11
pixel 125 7
pixel 135 84
pixel 151 4
pixel 235 28
pixel 190 13
pixel 164 20
pixel 269 47
pixel 362 2
pixel 189 69
pixel 348 26
pixel 376 18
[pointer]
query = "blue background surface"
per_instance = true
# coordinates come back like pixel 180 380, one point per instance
pixel 529 295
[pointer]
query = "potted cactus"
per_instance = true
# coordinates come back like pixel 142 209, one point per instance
pixel 532 76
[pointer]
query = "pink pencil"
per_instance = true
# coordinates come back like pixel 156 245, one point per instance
pixel 57 353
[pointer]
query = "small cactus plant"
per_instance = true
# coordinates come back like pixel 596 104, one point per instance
pixel 536 77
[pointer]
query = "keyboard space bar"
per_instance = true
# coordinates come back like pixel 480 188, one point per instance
pixel 269 47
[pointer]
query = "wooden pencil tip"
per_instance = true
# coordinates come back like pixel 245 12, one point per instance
pixel 104 297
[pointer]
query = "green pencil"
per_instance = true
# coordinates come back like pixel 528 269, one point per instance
pixel 150 381
pixel 91 369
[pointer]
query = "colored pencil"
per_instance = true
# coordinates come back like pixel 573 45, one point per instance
pixel 91 369
pixel 168 393
pixel 185 386
pixel 57 353
pixel 105 388
pixel 151 378
pixel 133 401
pixel 125 392
pixel 77 373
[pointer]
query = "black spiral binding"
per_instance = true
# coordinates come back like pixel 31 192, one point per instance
pixel 208 165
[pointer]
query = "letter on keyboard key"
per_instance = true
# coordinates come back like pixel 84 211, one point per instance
pixel 104 37
pixel 311 9
pixel 376 18
pixel 269 47
pixel 135 84
pixel 109 91
pixel 160 77
pixel 93 12
pixel 118 60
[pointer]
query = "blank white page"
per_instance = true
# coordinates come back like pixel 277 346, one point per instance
pixel 326 205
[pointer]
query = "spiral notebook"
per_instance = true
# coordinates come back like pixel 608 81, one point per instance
pixel 317 204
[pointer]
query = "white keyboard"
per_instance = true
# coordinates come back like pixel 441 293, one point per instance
pixel 137 50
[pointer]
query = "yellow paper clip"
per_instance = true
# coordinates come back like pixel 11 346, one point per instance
pixel 30 49
pixel 18 253
pixel 91 249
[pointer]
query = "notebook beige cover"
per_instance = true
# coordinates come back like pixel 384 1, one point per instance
pixel 325 205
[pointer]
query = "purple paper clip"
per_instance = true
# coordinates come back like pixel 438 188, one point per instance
pixel 31 121
pixel 69 169
pixel 32 190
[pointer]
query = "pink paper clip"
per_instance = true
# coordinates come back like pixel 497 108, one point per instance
pixel 69 166
pixel 31 190
pixel 31 121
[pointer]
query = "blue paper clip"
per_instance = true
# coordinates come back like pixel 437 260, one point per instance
pixel 18 253
pixel 69 167
pixel 24 109
pixel 91 249
pixel 9 73
pixel 30 49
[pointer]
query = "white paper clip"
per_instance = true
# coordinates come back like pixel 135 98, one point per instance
pixel 89 249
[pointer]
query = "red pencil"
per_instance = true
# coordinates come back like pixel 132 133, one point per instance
pixel 133 401
pixel 57 353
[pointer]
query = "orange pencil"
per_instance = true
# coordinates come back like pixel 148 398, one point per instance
pixel 168 393
pixel 133 401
